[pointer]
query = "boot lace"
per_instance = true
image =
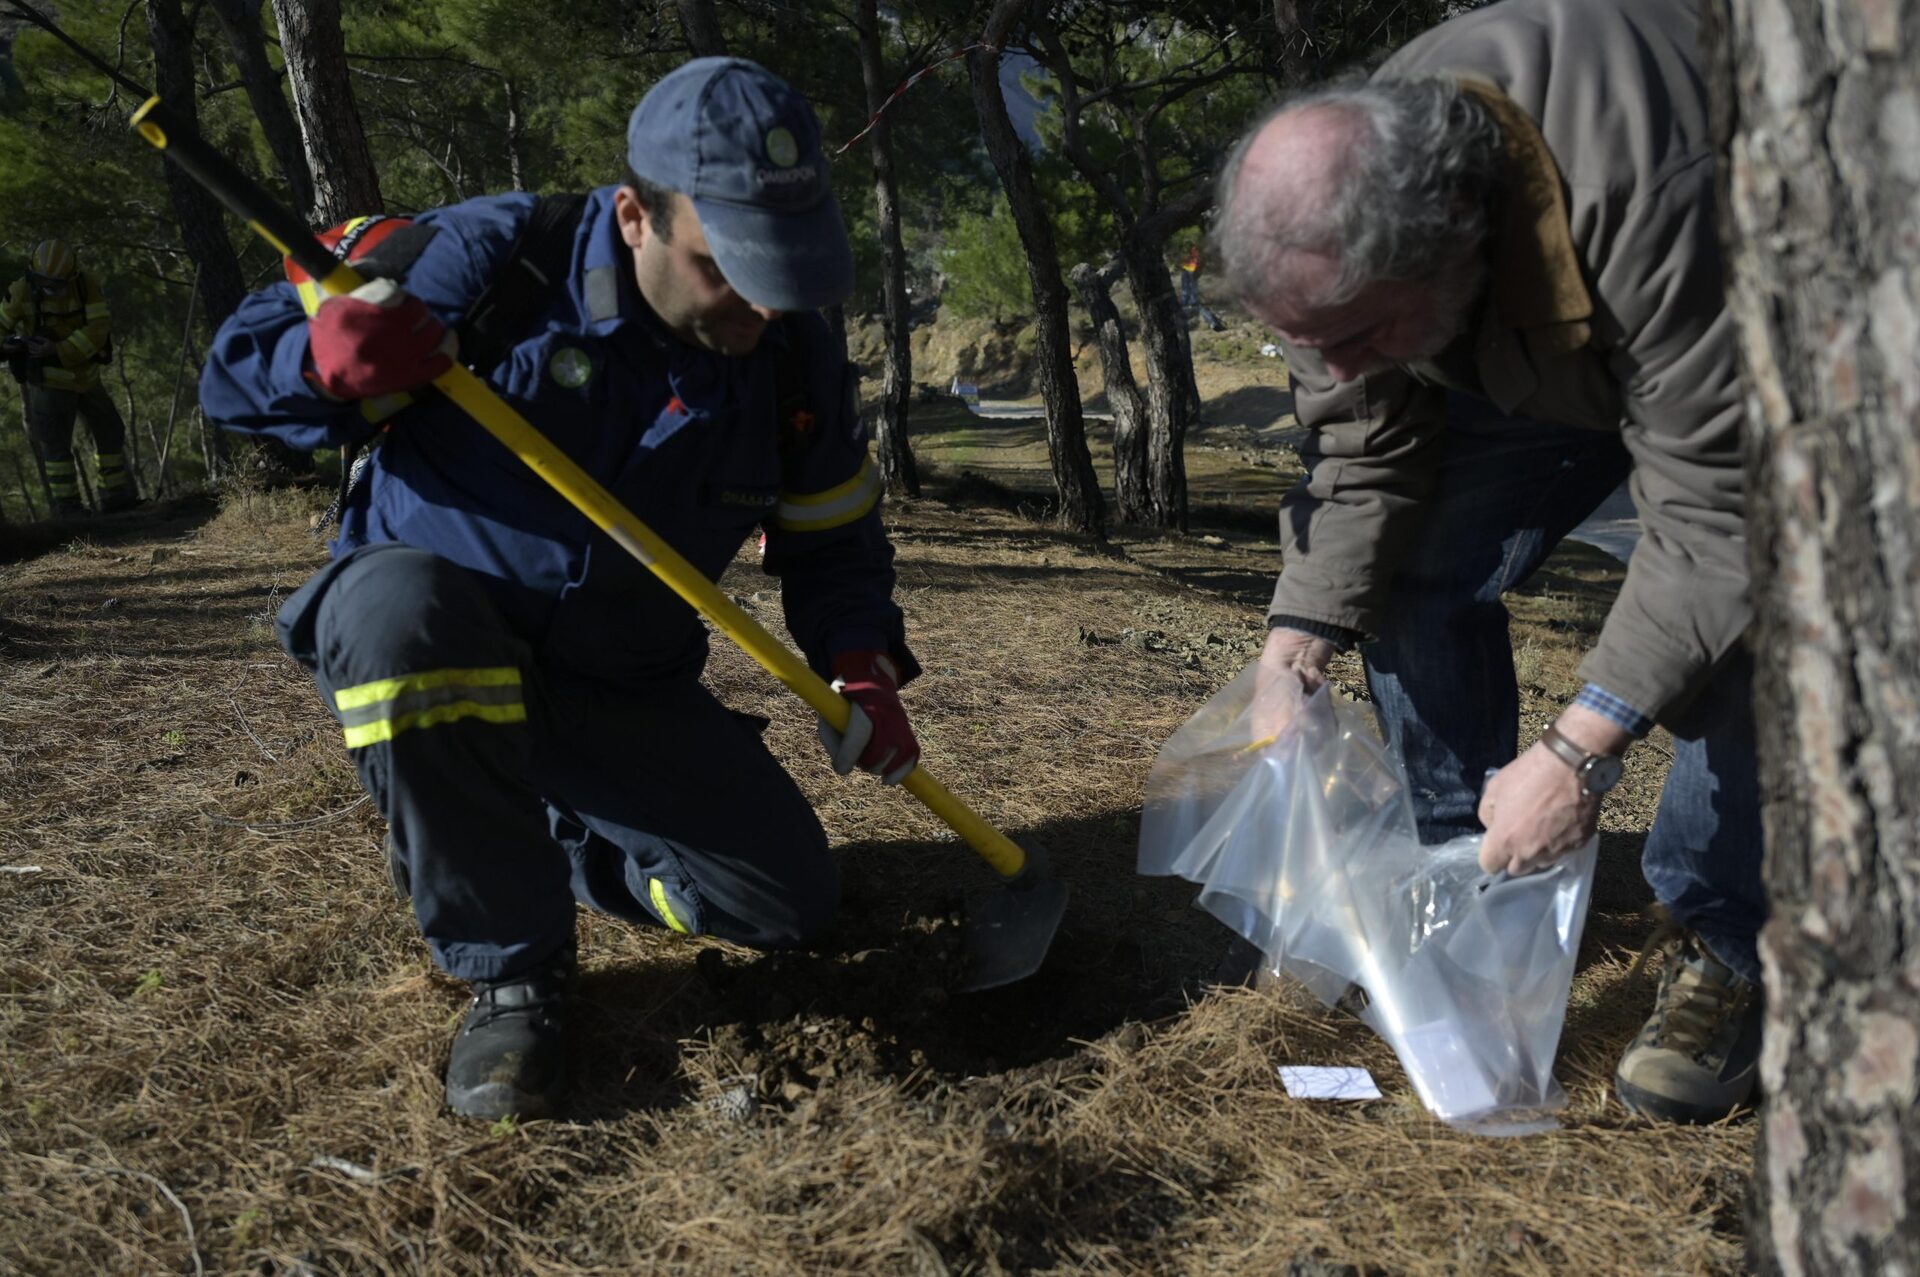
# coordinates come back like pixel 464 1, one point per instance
pixel 539 995
pixel 1695 997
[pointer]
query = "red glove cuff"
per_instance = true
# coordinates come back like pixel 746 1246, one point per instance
pixel 866 668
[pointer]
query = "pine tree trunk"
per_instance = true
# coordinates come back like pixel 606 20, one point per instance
pixel 1130 499
pixel 345 183
pixel 1081 504
pixel 702 25
pixel 1170 394
pixel 897 469
pixel 202 218
pixel 240 19
pixel 1820 103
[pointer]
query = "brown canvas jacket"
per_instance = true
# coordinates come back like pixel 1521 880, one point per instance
pixel 1605 310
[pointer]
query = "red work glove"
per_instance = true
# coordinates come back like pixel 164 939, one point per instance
pixel 877 738
pixel 376 340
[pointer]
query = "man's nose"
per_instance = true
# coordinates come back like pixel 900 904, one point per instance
pixel 767 313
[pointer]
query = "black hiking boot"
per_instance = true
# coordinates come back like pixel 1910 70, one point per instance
pixel 509 1058
pixel 1699 1055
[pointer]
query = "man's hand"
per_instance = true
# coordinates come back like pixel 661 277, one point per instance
pixel 40 347
pixel 376 340
pixel 1293 666
pixel 878 738
pixel 1535 809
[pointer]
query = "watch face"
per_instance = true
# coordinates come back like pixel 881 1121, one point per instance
pixel 1602 773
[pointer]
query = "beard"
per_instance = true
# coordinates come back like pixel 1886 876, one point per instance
pixel 1456 294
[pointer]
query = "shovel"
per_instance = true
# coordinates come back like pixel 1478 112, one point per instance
pixel 1007 933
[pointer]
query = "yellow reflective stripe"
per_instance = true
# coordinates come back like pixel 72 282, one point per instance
pixel 107 458
pixel 842 504
pixel 657 892
pixel 386 689
pixel 81 342
pixel 97 311
pixel 387 728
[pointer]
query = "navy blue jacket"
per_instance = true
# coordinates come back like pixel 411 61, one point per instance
pixel 687 439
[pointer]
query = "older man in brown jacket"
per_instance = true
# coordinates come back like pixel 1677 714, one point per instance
pixel 1494 272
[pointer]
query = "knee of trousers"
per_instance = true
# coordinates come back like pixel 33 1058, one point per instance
pixel 786 908
pixel 402 611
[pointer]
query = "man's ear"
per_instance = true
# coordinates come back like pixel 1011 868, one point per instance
pixel 630 215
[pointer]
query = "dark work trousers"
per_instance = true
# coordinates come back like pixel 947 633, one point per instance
pixel 513 790
pixel 50 419
pixel 1443 682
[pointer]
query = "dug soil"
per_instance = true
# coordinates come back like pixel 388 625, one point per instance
pixel 220 1036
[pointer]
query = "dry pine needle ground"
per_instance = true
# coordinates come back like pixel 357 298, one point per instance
pixel 220 1037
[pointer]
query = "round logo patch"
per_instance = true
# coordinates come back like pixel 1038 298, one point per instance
pixel 782 149
pixel 570 367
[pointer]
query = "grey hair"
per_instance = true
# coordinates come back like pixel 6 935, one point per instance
pixel 1412 201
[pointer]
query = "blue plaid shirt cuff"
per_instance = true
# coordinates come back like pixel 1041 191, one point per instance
pixel 1614 710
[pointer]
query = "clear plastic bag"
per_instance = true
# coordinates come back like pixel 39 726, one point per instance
pixel 1305 844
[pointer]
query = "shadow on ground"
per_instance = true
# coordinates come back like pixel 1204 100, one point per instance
pixel 878 995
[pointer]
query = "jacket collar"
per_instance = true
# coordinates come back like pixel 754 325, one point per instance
pixel 1536 279
pixel 1537 304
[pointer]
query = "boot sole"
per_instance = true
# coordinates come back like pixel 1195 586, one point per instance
pixel 492 1101
pixel 1665 1108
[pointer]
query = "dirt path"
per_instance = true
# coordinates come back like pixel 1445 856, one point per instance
pixel 220 1037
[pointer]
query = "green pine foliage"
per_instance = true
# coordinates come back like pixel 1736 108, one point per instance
pixel 460 98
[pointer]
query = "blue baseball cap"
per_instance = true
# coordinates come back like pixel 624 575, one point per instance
pixel 744 146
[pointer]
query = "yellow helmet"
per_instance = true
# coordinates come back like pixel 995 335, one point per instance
pixel 53 263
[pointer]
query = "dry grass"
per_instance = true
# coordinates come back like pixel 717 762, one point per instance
pixel 220 1037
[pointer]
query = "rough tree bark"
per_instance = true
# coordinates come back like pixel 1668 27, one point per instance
pixel 702 25
pixel 1822 121
pixel 1131 503
pixel 1170 389
pixel 897 469
pixel 1082 505
pixel 240 19
pixel 345 183
pixel 202 218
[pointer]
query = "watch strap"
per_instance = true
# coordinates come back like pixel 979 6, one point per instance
pixel 1567 752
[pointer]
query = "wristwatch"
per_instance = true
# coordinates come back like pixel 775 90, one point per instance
pixel 1597 773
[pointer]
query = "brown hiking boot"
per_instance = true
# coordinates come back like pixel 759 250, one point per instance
pixel 1699 1055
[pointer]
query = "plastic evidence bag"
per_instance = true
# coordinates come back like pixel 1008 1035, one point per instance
pixel 1304 843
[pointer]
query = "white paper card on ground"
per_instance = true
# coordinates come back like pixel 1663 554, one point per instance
pixel 1327 1082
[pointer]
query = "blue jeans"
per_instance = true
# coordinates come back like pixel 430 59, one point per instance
pixel 1443 684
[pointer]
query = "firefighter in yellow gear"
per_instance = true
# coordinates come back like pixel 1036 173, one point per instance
pixel 56 332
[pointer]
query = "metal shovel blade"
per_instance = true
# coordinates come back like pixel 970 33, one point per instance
pixel 1009 932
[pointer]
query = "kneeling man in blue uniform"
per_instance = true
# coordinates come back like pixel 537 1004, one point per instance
pixel 521 698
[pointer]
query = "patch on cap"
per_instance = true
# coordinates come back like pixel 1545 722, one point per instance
pixel 782 149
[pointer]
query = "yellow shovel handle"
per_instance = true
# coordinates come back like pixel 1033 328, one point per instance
pixel 586 495
pixel 287 233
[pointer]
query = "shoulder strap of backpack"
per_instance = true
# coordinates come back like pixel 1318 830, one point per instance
pixel 524 284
